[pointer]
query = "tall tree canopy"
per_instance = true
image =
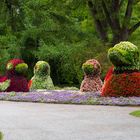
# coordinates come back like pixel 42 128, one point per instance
pixel 65 32
pixel 116 16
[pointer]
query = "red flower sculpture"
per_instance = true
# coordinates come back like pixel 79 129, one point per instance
pixel 123 79
pixel 125 84
pixel 92 81
pixel 15 73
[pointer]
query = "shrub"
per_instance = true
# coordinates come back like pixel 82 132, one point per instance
pixel 66 61
pixel 9 48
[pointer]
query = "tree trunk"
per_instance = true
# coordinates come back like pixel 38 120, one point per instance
pixel 100 25
pixel 123 35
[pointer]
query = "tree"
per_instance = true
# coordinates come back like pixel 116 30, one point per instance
pixel 108 17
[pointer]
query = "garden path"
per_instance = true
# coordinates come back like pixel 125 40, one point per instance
pixel 36 121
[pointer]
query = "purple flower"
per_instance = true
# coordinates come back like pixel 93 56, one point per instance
pixel 68 96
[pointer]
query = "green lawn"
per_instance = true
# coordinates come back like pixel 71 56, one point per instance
pixel 1 136
pixel 135 113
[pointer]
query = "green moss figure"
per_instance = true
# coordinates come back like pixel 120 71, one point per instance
pixel 4 85
pixel 88 68
pixel 21 68
pixel 124 56
pixel 41 78
pixel 124 77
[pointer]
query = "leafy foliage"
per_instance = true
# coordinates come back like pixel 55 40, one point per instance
pixel 21 68
pixel 61 32
pixel 4 85
pixel 124 56
pixel 88 68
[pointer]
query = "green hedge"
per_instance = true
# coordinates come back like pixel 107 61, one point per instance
pixel 66 61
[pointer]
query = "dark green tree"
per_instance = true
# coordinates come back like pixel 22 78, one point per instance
pixel 116 17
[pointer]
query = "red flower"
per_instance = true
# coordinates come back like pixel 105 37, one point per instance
pixel 3 78
pixel 29 84
pixel 109 73
pixel 126 84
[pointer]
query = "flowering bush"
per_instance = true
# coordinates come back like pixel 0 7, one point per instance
pixel 92 81
pixel 41 78
pixel 123 79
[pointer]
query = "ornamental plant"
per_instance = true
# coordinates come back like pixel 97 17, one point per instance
pixel 92 81
pixel 15 79
pixel 124 56
pixel 41 78
pixel 124 77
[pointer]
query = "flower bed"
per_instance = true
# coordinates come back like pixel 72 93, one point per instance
pixel 69 97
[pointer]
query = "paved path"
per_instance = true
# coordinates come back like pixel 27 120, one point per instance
pixel 33 121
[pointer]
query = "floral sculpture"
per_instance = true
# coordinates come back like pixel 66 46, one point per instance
pixel 124 78
pixel 92 81
pixel 41 78
pixel 15 78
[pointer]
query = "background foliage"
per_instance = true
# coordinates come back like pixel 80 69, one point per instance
pixel 62 32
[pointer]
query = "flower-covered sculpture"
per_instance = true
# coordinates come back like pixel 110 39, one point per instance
pixel 109 73
pixel 92 81
pixel 15 78
pixel 124 80
pixel 41 78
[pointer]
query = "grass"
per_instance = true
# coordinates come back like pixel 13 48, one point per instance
pixel 135 113
pixel 1 136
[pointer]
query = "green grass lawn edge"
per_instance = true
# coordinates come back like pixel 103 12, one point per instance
pixel 135 113
pixel 1 135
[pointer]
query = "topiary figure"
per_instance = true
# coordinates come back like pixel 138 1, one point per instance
pixel 15 78
pixel 41 78
pixel 124 79
pixel 124 56
pixel 109 73
pixel 92 81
